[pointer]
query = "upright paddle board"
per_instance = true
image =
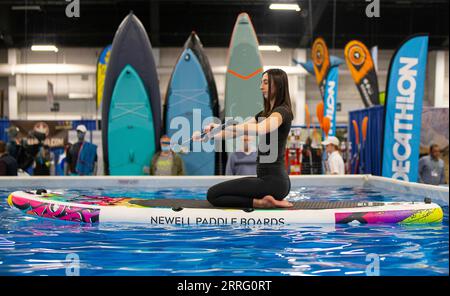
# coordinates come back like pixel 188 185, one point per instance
pixel 131 104
pixel 94 209
pixel 131 130
pixel 243 97
pixel 243 78
pixel 102 64
pixel 192 93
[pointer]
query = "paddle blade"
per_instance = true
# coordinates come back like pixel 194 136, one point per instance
pixel 364 128
pixel 308 116
pixel 355 127
pixel 326 124
pixel 319 113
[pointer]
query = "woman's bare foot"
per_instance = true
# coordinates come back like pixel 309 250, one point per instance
pixel 268 202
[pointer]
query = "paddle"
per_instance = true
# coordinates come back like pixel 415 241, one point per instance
pixel 356 156
pixel 308 126
pixel 364 137
pixel 205 136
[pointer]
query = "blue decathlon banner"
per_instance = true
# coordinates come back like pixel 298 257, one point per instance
pixel 404 96
pixel 330 98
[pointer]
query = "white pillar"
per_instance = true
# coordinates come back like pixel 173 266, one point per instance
pixel 13 102
pixel 439 81
pixel 300 94
pixel 156 56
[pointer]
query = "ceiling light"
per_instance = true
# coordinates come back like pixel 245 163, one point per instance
pixel 85 96
pixel 44 48
pixel 284 6
pixel 269 48
pixel 25 7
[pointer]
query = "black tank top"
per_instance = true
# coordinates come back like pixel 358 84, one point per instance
pixel 270 157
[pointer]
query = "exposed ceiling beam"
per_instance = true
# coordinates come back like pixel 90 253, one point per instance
pixel 114 2
pixel 154 23
pixel 5 28
pixel 315 13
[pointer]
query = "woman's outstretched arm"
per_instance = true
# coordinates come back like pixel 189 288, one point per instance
pixel 252 127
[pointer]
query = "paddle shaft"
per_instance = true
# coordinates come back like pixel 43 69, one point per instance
pixel 206 135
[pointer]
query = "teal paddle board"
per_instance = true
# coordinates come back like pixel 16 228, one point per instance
pixel 243 78
pixel 191 93
pixel 243 97
pixel 132 47
pixel 130 126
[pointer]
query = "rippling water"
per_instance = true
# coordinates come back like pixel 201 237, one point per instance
pixel 34 246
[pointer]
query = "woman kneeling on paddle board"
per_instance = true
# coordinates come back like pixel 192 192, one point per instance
pixel 271 185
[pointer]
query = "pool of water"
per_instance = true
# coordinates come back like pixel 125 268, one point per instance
pixel 35 246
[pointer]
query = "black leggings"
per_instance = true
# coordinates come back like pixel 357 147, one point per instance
pixel 239 193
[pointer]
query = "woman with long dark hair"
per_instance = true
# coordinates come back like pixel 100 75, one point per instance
pixel 271 185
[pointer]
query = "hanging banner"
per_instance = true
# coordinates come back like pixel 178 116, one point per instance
pixel 309 66
pixel 101 72
pixel 362 69
pixel 321 62
pixel 50 94
pixel 404 98
pixel 330 102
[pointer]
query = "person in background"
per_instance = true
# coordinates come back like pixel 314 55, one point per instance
pixel 166 162
pixel 62 161
pixel 243 163
pixel 431 167
pixel 81 157
pixel 311 158
pixel 13 147
pixel 334 164
pixel 307 158
pixel 317 153
pixel 8 164
pixel 17 148
pixel 43 157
